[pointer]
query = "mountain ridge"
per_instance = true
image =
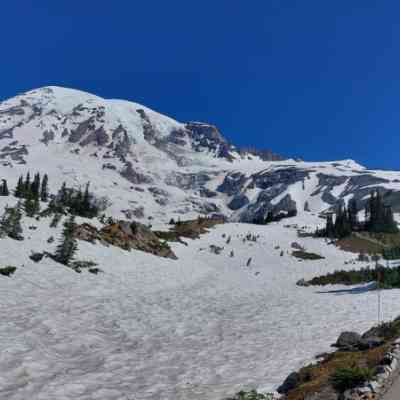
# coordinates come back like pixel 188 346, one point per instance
pixel 150 166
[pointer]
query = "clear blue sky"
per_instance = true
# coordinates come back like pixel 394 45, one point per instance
pixel 309 78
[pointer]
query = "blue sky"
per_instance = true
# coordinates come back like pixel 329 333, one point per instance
pixel 313 79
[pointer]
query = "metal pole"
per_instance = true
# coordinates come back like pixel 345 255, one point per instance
pixel 378 275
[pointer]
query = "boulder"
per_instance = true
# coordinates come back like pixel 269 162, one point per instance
pixel 370 342
pixel 290 383
pixel 348 341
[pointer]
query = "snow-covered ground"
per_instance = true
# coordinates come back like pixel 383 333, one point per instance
pixel 197 328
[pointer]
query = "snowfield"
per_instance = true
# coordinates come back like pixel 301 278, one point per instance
pixel 197 328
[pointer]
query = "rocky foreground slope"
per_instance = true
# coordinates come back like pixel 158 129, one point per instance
pixel 150 166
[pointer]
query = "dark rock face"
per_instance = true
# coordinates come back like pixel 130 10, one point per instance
pixel 134 176
pixel 233 183
pixel 48 136
pixel 178 137
pixel 82 129
pixel 208 136
pixel 284 176
pixel 98 137
pixel 238 201
pixel 361 181
pixel 157 191
pixel 264 154
pixel 329 198
pixel 7 133
pixel 15 152
pixel 123 142
pixel 16 110
pixel 149 132
pixel 203 131
pixel 286 204
pixel 326 183
pixel 204 192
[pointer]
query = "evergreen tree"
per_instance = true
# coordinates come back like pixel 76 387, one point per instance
pixel 353 213
pixel 27 186
pixel 10 223
pixel 67 248
pixel 19 190
pixel 32 206
pixel 330 228
pixel 390 224
pixel 342 225
pixel 63 194
pixel 44 191
pixel 378 216
pixel 270 217
pixel 35 186
pixel 4 188
pixel 56 219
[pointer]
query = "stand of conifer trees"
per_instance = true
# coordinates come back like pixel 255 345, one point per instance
pixel 378 218
pixel 75 201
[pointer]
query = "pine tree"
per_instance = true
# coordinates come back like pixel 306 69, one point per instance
pixel 378 216
pixel 87 208
pixel 4 188
pixel 330 229
pixel 19 190
pixel 342 225
pixel 32 206
pixel 27 186
pixel 353 213
pixel 67 248
pixel 44 191
pixel 63 194
pixel 10 223
pixel 35 186
pixel 56 219
pixel 270 217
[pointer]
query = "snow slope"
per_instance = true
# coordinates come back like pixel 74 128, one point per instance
pixel 197 328
pixel 200 327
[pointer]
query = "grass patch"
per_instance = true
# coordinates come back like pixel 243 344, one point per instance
pixel 188 229
pixel 389 278
pixel 7 271
pixel 304 255
pixel 319 377
pixel 350 377
pixel 369 242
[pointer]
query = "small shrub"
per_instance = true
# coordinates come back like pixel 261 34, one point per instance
pixel 304 255
pixel 349 378
pixel 252 395
pixel 80 264
pixel 7 271
pixel 36 257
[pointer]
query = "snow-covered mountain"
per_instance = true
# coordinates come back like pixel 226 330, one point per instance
pixel 149 165
pixel 199 327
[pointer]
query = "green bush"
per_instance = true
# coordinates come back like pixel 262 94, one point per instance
pixel 389 277
pixel 7 271
pixel 348 378
pixel 252 395
pixel 304 255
